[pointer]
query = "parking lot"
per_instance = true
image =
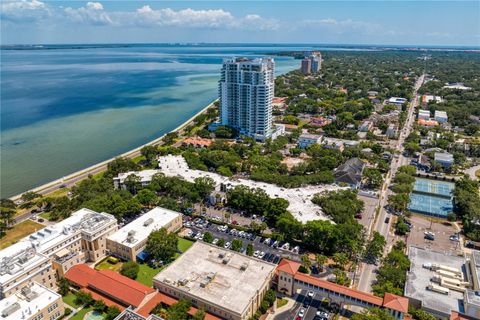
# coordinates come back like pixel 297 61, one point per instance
pixel 308 307
pixel 441 229
pixel 264 249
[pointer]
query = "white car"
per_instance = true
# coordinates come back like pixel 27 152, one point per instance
pixel 215 241
pixel 227 245
pixel 256 253
pixel 310 294
pixel 267 241
pixel 261 255
pixel 301 313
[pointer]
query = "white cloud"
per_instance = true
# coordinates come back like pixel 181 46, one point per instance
pixel 92 13
pixel 24 11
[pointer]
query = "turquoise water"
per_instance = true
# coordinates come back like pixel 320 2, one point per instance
pixel 93 315
pixel 65 109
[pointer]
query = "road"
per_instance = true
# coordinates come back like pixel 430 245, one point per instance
pixel 367 272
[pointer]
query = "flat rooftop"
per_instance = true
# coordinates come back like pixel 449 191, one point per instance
pixel 20 308
pixel 84 220
pixel 201 272
pixel 144 175
pixel 300 206
pixel 17 259
pixel 139 229
pixel 418 278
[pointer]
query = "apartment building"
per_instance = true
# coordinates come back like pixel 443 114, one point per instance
pixel 48 253
pixel 144 178
pixel 33 302
pixel 246 89
pixel 129 242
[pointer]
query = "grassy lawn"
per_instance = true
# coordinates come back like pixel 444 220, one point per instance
pixel 81 314
pixel 98 176
pixel 45 215
pixel 184 244
pixel 58 193
pixel 69 299
pixel 18 232
pixel 139 158
pixel 104 264
pixel 281 302
pixel 145 274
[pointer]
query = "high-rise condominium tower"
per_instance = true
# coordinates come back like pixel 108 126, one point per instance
pixel 246 89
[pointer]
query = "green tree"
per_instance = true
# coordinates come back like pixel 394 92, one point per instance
pixel 321 260
pixel 162 245
pixel 249 249
pixel 237 244
pixel 130 269
pixel 63 286
pixel 112 313
pixel 375 246
pixel 306 262
pixel 83 298
pixel 373 177
pixel 221 242
pixel 208 237
pixel 179 310
pixel 204 186
pixel 147 197
pixel 132 183
pixel 341 259
pixel 199 315
pixel 99 306
pixel 373 314
pixel 149 152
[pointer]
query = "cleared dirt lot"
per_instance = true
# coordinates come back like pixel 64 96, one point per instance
pixel 442 230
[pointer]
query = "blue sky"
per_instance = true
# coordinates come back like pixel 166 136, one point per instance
pixel 329 22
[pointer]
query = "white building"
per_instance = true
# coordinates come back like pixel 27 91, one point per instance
pixel 50 252
pixel 246 89
pixel 428 98
pixel 391 131
pixel 444 158
pixel 423 114
pixel 456 85
pixel 145 176
pixel 33 302
pixel 441 116
pixel 131 240
pixel 306 140
pixel 396 100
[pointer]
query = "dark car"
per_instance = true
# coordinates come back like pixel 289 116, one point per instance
pixel 271 257
pixel 276 259
pixel 387 219
pixel 265 257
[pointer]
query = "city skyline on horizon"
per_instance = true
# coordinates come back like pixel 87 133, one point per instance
pixel 401 23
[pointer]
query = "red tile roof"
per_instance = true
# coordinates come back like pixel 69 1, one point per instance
pixel 394 302
pixel 110 284
pixel 288 266
pixel 162 298
pixel 107 301
pixel 367 297
pixel 197 141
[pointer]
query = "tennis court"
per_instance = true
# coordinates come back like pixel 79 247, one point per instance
pixel 434 187
pixel 431 205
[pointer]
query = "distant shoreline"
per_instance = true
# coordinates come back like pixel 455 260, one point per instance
pixel 314 46
pixel 101 166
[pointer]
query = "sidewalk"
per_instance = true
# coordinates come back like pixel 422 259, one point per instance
pixel 288 306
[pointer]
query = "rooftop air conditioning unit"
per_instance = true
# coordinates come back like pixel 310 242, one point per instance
pixel 148 222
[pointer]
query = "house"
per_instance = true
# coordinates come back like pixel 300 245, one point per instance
pixel 441 116
pixel 319 121
pixel 365 126
pixel 396 100
pixel 350 173
pixel 427 123
pixel 445 159
pixel 306 139
pixel 428 98
pixel 423 114
pixel 197 142
pixel 391 131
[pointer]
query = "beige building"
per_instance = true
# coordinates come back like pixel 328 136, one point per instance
pixel 222 282
pixel 131 240
pixel 33 302
pixel 48 253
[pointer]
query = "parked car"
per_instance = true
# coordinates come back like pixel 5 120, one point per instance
pixel 215 241
pixel 301 313
pixel 387 219
pixel 227 245
pixel 256 253
pixel 261 255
